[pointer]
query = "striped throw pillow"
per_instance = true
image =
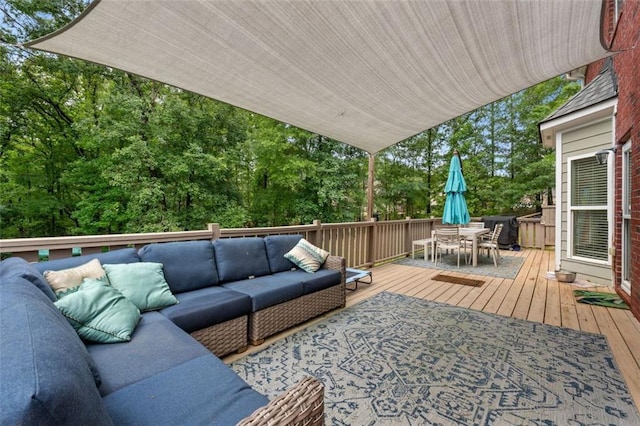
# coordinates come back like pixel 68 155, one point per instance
pixel 306 256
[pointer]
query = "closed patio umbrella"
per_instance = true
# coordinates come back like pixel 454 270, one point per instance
pixel 455 206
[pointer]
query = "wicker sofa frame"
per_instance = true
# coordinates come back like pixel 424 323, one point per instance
pixel 266 322
pixel 231 336
pixel 300 405
pixel 224 338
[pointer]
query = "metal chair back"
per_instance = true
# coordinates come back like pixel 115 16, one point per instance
pixel 496 233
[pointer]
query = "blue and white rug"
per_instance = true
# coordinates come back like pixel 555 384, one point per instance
pixel 508 267
pixel 399 360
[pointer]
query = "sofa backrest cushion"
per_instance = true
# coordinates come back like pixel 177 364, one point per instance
pixel 127 255
pixel 18 267
pixel 240 258
pixel 187 265
pixel 277 246
pixel 46 370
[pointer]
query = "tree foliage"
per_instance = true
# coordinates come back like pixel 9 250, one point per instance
pixel 85 149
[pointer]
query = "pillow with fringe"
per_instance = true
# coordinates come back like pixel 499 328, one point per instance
pixel 67 281
pixel 306 256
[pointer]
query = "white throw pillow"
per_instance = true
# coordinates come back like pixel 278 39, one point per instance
pixel 307 256
pixel 67 281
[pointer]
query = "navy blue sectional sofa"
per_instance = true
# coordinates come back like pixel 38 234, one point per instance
pixel 230 292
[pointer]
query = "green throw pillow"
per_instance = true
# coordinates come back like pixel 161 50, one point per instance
pixel 143 283
pixel 306 256
pixel 99 312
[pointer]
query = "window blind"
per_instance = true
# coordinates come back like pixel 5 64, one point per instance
pixel 588 182
pixel 590 234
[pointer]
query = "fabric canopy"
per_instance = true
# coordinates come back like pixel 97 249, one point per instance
pixel 368 73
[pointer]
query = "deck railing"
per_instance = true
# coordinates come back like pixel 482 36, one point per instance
pixel 538 230
pixel 362 244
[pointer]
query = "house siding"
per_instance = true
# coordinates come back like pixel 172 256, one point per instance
pixel 581 142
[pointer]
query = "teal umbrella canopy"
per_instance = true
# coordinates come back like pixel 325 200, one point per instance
pixel 455 206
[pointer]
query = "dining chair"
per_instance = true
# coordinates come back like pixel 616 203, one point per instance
pixel 448 239
pixel 468 239
pixel 475 225
pixel 492 244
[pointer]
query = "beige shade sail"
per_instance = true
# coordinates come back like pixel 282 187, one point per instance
pixel 369 73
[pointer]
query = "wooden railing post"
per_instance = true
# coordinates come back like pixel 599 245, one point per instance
pixel 214 229
pixel 373 252
pixel 316 234
pixel 408 235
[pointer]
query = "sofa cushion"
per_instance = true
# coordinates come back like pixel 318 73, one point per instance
pixel 127 255
pixel 307 256
pixel 240 258
pixel 268 290
pixel 205 307
pixel 277 246
pixel 46 370
pixel 18 267
pixel 319 280
pixel 188 265
pixel 99 312
pixel 66 281
pixel 198 392
pixel 156 345
pixel 142 283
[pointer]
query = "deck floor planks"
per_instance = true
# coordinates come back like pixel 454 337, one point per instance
pixel 510 302
pixel 586 319
pixel 552 307
pixel 624 359
pixel 538 301
pixel 522 309
pixel 483 298
pixel 456 298
pixel 628 331
pixel 498 296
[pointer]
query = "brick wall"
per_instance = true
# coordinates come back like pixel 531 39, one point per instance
pixel 624 38
pixel 627 67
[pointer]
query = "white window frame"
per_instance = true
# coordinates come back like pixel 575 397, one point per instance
pixel 571 209
pixel 618 9
pixel 625 245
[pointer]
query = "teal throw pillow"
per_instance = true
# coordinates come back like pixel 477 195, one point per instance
pixel 306 256
pixel 99 312
pixel 143 283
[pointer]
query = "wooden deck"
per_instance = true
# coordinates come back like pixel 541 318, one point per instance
pixel 530 296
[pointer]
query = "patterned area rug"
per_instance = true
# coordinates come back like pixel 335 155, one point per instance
pixel 399 360
pixel 508 267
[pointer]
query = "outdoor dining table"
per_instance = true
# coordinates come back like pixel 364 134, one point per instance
pixel 475 234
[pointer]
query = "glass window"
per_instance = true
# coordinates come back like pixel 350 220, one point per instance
pixel 588 209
